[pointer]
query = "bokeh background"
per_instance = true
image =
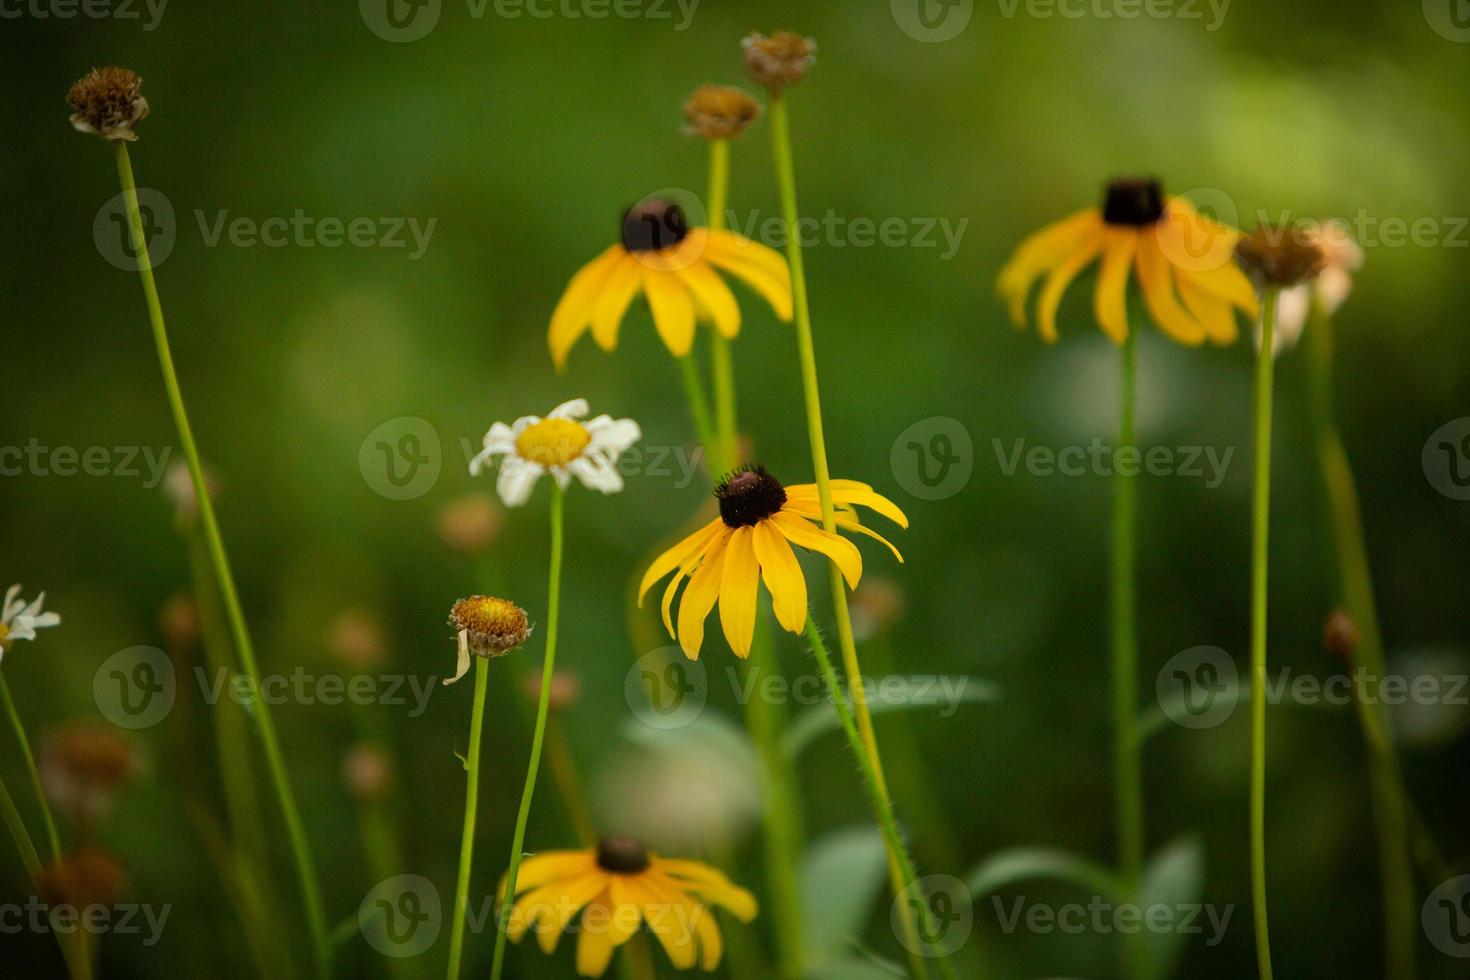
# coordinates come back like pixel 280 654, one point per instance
pixel 523 138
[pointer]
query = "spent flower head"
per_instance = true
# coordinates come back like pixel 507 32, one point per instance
pixel 1279 257
pixel 779 60
pixel 108 102
pixel 720 112
pixel 486 626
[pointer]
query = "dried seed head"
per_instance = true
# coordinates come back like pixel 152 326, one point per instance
pixel 492 626
pixel 1340 635
pixel 566 687
pixel 108 102
pixel 622 855
pixel 83 765
pixel 779 60
pixel 470 524
pixel 83 878
pixel 368 773
pixel 1279 257
pixel 720 112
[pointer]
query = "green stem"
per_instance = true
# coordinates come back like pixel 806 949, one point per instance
pixel 543 709
pixel 1260 534
pixel 471 804
pixel 305 868
pixel 699 410
pixel 721 366
pixel 780 125
pixel 1390 799
pixel 1127 768
pixel 52 837
pixel 18 833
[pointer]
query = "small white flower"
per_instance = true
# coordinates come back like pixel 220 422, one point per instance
pixel 19 621
pixel 560 445
pixel 1329 290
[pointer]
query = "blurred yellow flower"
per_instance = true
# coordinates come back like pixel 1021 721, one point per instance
pixel 617 887
pixel 1184 261
pixel 751 540
pixel 674 266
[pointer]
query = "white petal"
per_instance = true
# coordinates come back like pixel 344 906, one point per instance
pixel 517 479
pixel 500 438
pixel 463 666
pixel 34 609
pixel 613 435
pixel 20 631
pixel 1292 306
pixel 1333 287
pixel 596 476
pixel 46 619
pixel 522 424
pixel 574 409
pixel 484 458
pixel 561 475
pixel 11 606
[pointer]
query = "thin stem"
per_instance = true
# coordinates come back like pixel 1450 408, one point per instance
pixel 543 709
pixel 699 409
pixel 305 868
pixel 1390 799
pixel 721 367
pixel 1260 534
pixel 52 837
pixel 780 126
pixel 19 834
pixel 1127 769
pixel 471 805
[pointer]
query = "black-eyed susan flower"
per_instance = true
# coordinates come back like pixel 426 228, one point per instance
pixel 614 890
pixel 1183 261
pixel 19 620
pixel 558 444
pixel 674 266
pixel 751 542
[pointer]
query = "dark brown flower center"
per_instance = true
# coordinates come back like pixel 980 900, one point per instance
pixel 653 225
pixel 621 855
pixel 1136 202
pixel 748 496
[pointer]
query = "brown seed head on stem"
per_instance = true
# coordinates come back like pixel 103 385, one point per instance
pixel 779 60
pixel 1279 257
pixel 720 112
pixel 108 102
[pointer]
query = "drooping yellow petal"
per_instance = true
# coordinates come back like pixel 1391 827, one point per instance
pixel 542 906
pixel 548 866
pixel 573 313
pixel 711 944
pixel 612 303
pixel 1232 285
pixel 1110 300
pixel 594 946
pixel 783 577
pixel 761 268
pixel 677 555
pixel 679 870
pixel 1040 252
pixel 712 293
pixel 673 309
pixel 1213 313
pixel 846 519
pixel 721 534
pixel 553 924
pixel 1158 294
pixel 669 914
pixel 737 900
pixel 626 914
pixel 852 492
pixel 806 535
pixel 699 597
pixel 738 591
pixel 1060 278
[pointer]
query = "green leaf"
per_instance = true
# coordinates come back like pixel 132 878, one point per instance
pixel 1174 878
pixel 1025 863
pixel 917 693
pixel 841 877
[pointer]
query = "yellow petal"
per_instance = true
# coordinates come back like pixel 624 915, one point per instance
pixel 673 309
pixel 738 591
pixel 761 268
pixel 1110 301
pixel 669 914
pixel 699 597
pixel 783 577
pixel 721 532
pixel 551 925
pixel 1158 294
pixel 612 302
pixel 539 869
pixel 626 915
pixel 573 312
pixel 594 947
pixel 806 535
pixel 1060 278
pixel 711 945
pixel 1232 285
pixel 1040 252
pixel 677 555
pixel 1213 313
pixel 715 297
pixel 1193 242
pixel 740 902
pixel 865 496
pixel 676 869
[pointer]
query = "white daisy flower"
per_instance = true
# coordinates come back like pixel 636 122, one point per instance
pixel 19 621
pixel 560 445
pixel 1329 289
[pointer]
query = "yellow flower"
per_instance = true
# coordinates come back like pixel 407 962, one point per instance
pixel 616 888
pixel 751 540
pixel 1184 262
pixel 674 266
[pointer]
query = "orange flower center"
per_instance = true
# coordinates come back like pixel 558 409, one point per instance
pixel 553 442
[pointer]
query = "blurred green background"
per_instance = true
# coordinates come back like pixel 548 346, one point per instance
pixel 523 138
